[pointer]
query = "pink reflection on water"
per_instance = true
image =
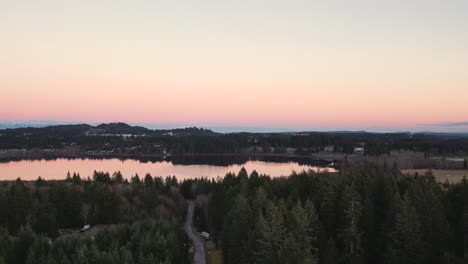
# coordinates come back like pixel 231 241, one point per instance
pixel 57 169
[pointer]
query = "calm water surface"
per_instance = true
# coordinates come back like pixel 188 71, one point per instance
pixel 57 169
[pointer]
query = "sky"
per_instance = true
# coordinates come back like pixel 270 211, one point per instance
pixel 383 65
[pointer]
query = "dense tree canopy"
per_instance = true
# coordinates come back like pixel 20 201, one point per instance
pixel 118 139
pixel 367 215
pixel 131 222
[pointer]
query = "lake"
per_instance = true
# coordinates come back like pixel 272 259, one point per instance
pixel 181 168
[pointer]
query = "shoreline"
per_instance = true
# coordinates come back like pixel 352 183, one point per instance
pixel 18 155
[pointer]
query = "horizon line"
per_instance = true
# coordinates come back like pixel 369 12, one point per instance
pixel 12 124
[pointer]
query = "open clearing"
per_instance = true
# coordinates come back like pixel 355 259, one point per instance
pixel 453 176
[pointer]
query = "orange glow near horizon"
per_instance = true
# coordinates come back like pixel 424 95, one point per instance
pixel 304 64
pixel 85 102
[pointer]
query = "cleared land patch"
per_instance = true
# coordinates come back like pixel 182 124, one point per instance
pixel 453 176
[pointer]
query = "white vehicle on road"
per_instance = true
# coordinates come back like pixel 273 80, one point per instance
pixel 205 235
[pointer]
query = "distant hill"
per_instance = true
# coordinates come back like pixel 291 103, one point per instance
pixel 59 130
pixel 443 134
pixel 118 128
pixel 189 131
pixel 24 124
pixel 105 129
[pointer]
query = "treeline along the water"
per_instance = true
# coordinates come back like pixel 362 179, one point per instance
pixel 360 216
pixel 122 139
pixel 366 215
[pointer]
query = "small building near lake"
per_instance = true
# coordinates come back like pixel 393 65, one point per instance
pixel 329 148
pixel 358 151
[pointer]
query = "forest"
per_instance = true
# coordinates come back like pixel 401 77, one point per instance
pixel 136 221
pixel 366 215
pixel 123 139
pixel 357 216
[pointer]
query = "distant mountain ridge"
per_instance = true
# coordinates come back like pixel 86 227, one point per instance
pixel 25 124
pixel 140 129
pixel 117 128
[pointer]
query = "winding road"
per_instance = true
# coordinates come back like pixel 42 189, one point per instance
pixel 198 243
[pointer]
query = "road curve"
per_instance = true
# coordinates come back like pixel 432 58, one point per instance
pixel 198 243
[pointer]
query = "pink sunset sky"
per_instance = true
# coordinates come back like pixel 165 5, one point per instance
pixel 294 64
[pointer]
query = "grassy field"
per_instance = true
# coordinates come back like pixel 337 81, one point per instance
pixel 453 176
pixel 215 256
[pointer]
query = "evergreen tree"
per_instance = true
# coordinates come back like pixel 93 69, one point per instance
pixel 236 232
pixel 330 254
pixel 5 245
pixel 434 224
pixel 117 177
pixel 18 206
pixel 369 229
pixel 271 234
pixel 22 246
pixel 136 179
pixel 45 219
pixel 101 177
pixel 328 210
pixel 76 178
pixel 260 201
pixel 350 233
pixel 406 237
pixel 315 228
pixel 242 174
pixel 40 182
pixel 465 219
pixel 149 182
pixel 301 230
pixel 38 251
pixel 81 257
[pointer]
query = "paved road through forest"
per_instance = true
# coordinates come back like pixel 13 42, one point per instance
pixel 198 243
